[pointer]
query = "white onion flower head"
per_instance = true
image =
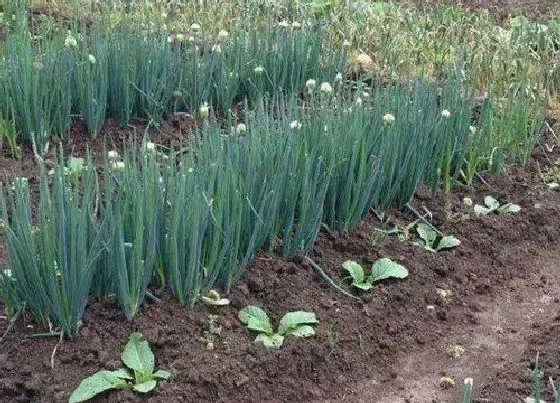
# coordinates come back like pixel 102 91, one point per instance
pixel 295 125
pixel 241 128
pixel 180 37
pixel 169 39
pixel 338 77
pixel 216 48
pixel 204 110
pixel 38 65
pixel 359 101
pixel 283 24
pixel 117 165
pixel 346 44
pixel 195 27
pixel 326 88
pixel 310 84
pixel 388 119
pixel 259 70
pixel 150 147
pixel 113 155
pixel 473 130
pixel 445 113
pixel 296 25
pixel 92 59
pixel 223 34
pixel 70 41
pixel 191 38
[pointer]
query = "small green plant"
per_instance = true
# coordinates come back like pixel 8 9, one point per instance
pixel 213 298
pixel 551 175
pixel 492 205
pixel 298 324
pixel 139 372
pixel 429 239
pixel 74 168
pixel 447 382
pixel 383 268
pixel 212 331
pixel 8 133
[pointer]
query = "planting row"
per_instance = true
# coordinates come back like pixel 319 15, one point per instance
pixel 127 73
pixel 124 66
pixel 193 219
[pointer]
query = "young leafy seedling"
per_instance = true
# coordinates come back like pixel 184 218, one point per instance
pixel 383 268
pixel 74 167
pixel 298 324
pixel 429 238
pixel 493 206
pixel 139 372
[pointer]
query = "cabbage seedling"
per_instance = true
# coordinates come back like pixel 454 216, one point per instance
pixel 492 205
pixel 381 269
pixel 139 372
pixel 429 239
pixel 298 324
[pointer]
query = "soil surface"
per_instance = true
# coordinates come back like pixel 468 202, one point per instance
pixel 503 309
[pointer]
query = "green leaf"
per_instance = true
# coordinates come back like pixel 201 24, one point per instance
pixel 293 320
pixel 161 374
pixel 145 387
pixel 138 356
pixel 509 208
pixel 124 373
pixel 427 234
pixel 365 286
pixel 386 268
pixel 255 319
pixel 302 331
pixel 75 165
pixel 491 203
pixel 481 210
pixel 355 271
pixel 97 383
pixel 448 242
pixel 274 340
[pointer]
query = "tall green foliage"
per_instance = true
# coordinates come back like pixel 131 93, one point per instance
pixel 52 264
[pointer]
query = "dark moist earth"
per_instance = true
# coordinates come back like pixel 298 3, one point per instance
pixel 390 347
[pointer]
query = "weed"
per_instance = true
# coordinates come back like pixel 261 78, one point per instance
pixel 455 351
pixel 212 331
pixel 447 382
pixel 551 175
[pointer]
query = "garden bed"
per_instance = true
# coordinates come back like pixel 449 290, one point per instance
pixel 389 344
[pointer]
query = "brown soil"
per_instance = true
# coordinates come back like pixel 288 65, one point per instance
pixel 387 348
